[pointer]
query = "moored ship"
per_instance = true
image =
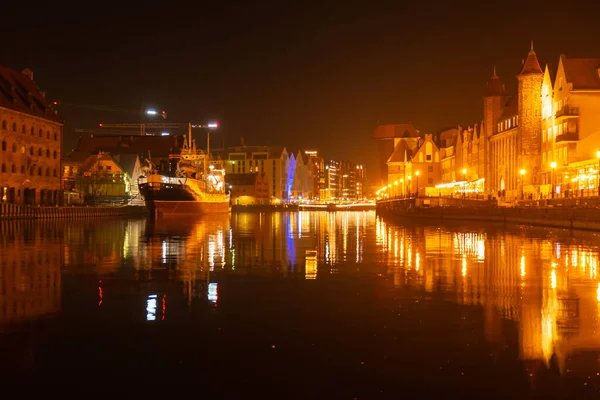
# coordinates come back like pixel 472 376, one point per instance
pixel 196 187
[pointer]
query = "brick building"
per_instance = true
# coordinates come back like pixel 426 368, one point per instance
pixel 31 136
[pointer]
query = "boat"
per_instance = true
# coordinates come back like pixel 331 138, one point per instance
pixel 196 187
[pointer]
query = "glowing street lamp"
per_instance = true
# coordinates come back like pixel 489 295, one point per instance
pixel 552 168
pixel 402 186
pixel 417 173
pixel 522 173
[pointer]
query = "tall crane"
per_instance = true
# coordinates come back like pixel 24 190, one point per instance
pixel 158 125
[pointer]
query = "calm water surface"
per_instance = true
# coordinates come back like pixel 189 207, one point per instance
pixel 302 305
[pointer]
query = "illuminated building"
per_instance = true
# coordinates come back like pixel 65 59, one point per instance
pixel 31 137
pixel 303 183
pixel 273 161
pixel 248 188
pixel 394 142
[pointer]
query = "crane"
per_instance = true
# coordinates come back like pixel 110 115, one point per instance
pixel 158 125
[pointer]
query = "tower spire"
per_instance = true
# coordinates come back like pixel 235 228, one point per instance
pixel 531 64
pixel 494 75
pixel 532 46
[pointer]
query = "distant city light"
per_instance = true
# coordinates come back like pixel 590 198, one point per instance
pixel 212 292
pixel 151 112
pixel 212 125
pixel 164 134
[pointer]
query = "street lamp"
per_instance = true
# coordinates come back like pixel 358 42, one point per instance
pixel 417 173
pixel 598 172
pixel 402 186
pixel 552 168
pixel 522 172
pixel 464 172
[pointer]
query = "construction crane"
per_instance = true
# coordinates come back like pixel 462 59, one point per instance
pixel 158 125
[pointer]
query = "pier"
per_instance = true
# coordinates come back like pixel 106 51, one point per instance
pixel 17 211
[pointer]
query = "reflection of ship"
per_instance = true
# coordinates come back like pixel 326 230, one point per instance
pixel 197 186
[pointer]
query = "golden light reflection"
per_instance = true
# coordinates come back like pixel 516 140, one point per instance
pixel 310 264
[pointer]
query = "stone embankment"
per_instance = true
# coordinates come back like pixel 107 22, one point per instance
pixel 16 211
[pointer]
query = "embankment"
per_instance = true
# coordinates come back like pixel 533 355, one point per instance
pixel 16 211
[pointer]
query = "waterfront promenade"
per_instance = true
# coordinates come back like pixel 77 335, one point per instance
pixel 571 216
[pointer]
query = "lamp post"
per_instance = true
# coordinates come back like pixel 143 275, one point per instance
pixel 417 173
pixel 552 168
pixel 598 173
pixel 402 186
pixel 522 172
pixel 464 172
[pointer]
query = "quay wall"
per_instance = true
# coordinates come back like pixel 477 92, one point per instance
pixel 17 211
pixel 587 218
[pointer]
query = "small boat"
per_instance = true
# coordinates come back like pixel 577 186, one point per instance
pixel 197 187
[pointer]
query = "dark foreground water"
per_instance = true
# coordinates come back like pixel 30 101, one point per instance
pixel 302 305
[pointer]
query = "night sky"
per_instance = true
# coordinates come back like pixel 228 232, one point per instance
pixel 299 74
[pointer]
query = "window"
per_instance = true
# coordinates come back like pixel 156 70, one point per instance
pixel 430 181
pixel 14 148
pixel 39 152
pixel 22 149
pixel 13 169
pixel 47 134
pixel 3 145
pixel 31 151
pixel 108 167
pixel 23 129
pixel 40 171
pixel 54 173
pixel 14 127
pixel 55 136
pixel 428 157
pixel 47 171
pixel 3 167
pixel 32 131
pixel 47 153
pixel 54 154
pixel 430 168
pixel 4 124
pixel 40 133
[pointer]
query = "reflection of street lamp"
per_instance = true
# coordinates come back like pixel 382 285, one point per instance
pixel 598 173
pixel 552 168
pixel 417 174
pixel 522 172
pixel 464 172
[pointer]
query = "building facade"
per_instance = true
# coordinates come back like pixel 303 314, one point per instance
pixel 31 137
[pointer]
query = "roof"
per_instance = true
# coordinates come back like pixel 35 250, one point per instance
pixel 76 157
pixel 391 131
pixel 531 64
pixel 582 73
pixel 494 86
pixel 19 92
pixel 401 153
pixel 157 146
pixel 511 108
pixel 272 151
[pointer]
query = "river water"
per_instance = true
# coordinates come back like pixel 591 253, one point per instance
pixel 302 305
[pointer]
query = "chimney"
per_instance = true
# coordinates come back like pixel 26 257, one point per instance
pixel 28 73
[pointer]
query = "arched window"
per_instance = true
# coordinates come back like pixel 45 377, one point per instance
pixel 31 151
pixel 23 129
pixel 54 154
pixel 40 171
pixel 4 145
pixel 13 169
pixel 14 127
pixel 40 133
pixel 14 148
pixel 22 169
pixel 55 136
pixel 39 152
pixel 47 153
pixel 47 134
pixel 4 124
pixel 3 167
pixel 54 172
pixel 32 131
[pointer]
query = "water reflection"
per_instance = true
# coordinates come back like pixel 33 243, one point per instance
pixel 550 289
pixel 537 294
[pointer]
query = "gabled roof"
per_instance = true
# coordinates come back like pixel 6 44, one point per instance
pixel 19 92
pixel 126 162
pixel 582 73
pixel 401 153
pixel 76 157
pixel 392 131
pixel 158 146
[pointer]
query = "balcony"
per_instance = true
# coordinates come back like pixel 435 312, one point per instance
pixel 567 137
pixel 567 112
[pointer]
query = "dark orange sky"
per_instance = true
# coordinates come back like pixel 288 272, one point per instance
pixel 301 74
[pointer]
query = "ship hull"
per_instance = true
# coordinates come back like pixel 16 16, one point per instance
pixel 174 207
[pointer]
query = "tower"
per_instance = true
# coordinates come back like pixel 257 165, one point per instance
pixel 494 100
pixel 530 116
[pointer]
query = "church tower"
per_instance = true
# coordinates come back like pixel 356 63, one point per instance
pixel 494 100
pixel 530 116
